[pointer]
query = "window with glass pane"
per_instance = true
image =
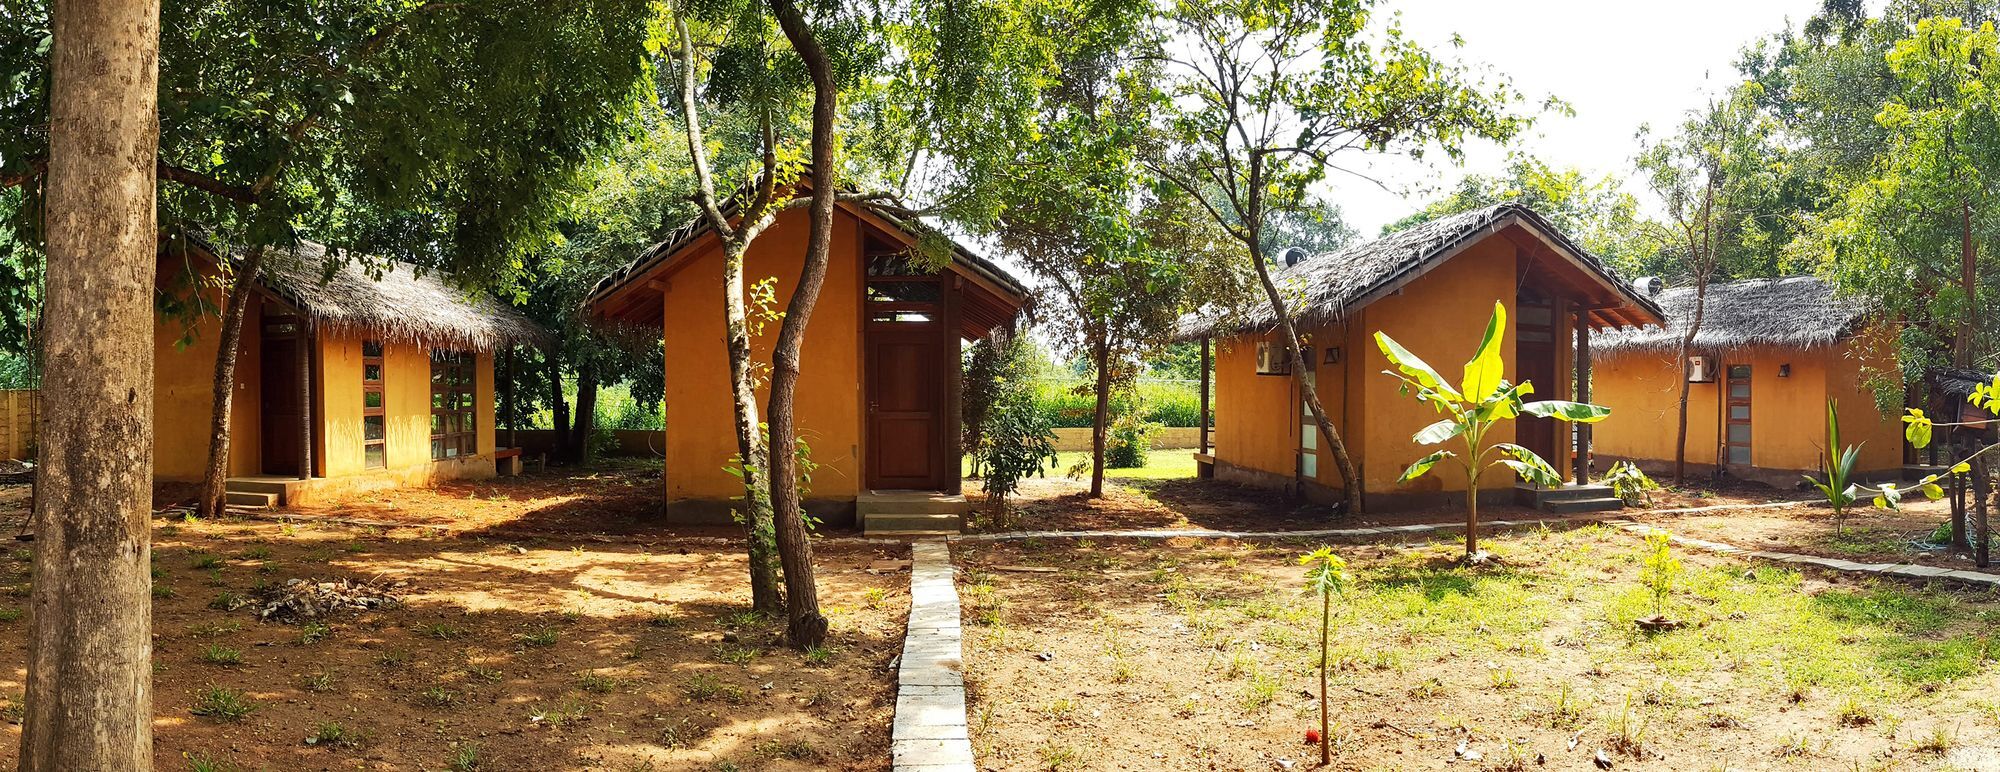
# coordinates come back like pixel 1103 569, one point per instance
pixel 454 430
pixel 374 437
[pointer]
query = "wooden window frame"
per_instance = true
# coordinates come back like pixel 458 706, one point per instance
pixel 454 400
pixel 374 387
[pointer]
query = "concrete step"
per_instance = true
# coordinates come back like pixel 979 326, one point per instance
pixel 910 503
pixel 250 499
pixel 257 485
pixel 1572 506
pixel 898 524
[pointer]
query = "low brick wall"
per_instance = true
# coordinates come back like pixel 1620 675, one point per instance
pixel 1171 438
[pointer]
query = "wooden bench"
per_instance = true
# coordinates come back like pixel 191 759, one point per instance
pixel 508 461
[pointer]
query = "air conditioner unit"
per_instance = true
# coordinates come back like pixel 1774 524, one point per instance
pixel 1271 359
pixel 1701 369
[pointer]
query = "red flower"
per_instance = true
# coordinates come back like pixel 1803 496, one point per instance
pixel 1312 736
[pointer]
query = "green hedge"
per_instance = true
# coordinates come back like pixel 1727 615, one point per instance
pixel 1169 403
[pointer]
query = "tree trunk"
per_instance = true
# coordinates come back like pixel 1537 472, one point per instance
pixel 586 413
pixel 1686 350
pixel 1294 354
pixel 89 685
pixel 1472 513
pixel 242 288
pixel 807 627
pixel 558 408
pixel 765 594
pixel 1101 356
pixel 1964 353
pixel 1325 623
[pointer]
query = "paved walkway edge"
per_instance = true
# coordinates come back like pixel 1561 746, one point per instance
pixel 929 733
pixel 1904 570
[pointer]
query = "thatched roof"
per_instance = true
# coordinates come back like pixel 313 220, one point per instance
pixel 1332 285
pixel 1796 312
pixel 337 291
pixel 1958 382
pixel 694 229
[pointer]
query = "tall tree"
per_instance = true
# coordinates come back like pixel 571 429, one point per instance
pixel 1707 174
pixel 89 692
pixel 755 210
pixel 806 627
pixel 1927 201
pixel 1269 95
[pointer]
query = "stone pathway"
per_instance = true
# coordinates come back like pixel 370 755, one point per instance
pixel 929 733
pixel 1905 570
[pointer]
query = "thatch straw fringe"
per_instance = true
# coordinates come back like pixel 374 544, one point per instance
pixel 1788 313
pixel 1323 288
pixel 338 293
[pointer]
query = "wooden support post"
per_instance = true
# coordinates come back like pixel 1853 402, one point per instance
pixel 1205 367
pixel 302 344
pixel 1582 430
pixel 1960 545
pixel 1981 489
pixel 507 395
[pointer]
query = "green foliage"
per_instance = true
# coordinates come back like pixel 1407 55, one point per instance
pixel 1128 443
pixel 1598 213
pixel 1839 464
pixel 1483 398
pixel 1660 569
pixel 1072 404
pixel 1630 484
pixel 1015 439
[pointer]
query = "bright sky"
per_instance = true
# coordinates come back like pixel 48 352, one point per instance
pixel 1619 64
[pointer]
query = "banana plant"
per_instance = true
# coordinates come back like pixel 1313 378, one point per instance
pixel 1482 400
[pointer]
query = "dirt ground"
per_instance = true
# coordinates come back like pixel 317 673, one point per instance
pixel 1865 535
pixel 1186 654
pixel 508 653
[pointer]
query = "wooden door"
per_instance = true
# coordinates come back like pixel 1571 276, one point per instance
pixel 1736 418
pixel 281 424
pixel 905 393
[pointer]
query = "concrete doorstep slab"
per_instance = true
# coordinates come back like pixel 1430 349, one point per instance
pixel 929 732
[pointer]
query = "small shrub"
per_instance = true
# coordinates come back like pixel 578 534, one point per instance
pixel 221 656
pixel 1660 569
pixel 464 758
pixel 222 704
pixel 331 734
pixel 1131 441
pixel 1630 484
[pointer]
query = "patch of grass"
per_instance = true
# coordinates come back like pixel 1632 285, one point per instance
pixel 9 614
pixel 664 620
pixel 874 596
pixel 220 704
pixel 539 637
pixel 1854 713
pixel 202 762
pixel 441 631
pixel 227 601
pixel 1891 607
pixel 393 658
pixel 204 561
pixel 704 687
pixel 819 656
pixel 162 591
pixel 1937 742
pixel 1057 757
pixel 735 654
pixel 220 655
pixel 318 681
pixel 215 629
pixel 563 713
pixel 256 553
pixel 593 681
pixel 483 673
pixel 439 697
pixel 332 734
pixel 464 758
pixel 796 750
pixel 1259 692
pixel 313 632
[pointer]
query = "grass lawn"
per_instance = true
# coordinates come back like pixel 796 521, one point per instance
pixel 1186 654
pixel 1161 464
pixel 506 653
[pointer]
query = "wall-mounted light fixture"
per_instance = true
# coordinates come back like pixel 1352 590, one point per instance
pixel 1784 371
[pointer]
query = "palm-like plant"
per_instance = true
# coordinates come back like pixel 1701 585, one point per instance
pixel 1838 489
pixel 1481 401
